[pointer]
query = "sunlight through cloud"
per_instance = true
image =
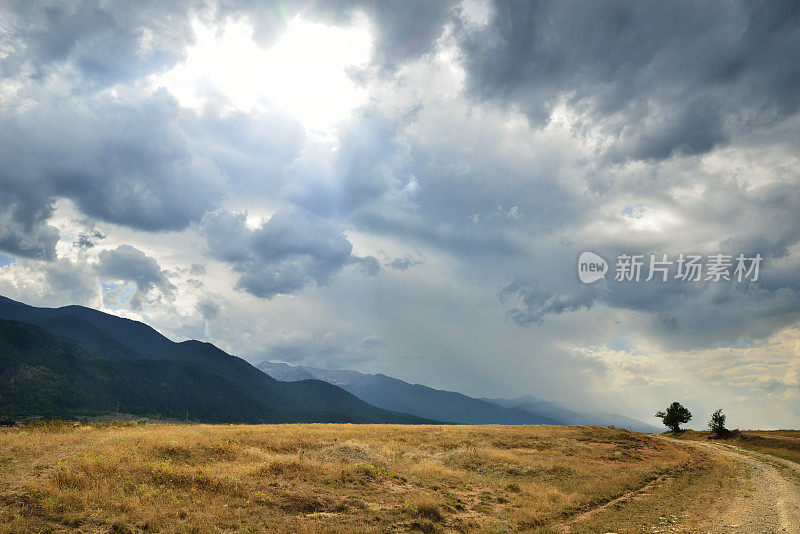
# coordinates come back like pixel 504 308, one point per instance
pixel 304 73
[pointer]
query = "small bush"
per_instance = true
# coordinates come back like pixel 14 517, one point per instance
pixel 717 424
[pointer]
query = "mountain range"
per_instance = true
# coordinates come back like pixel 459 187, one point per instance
pixel 394 394
pixel 74 361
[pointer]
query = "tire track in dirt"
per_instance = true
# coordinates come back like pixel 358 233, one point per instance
pixel 566 528
pixel 643 491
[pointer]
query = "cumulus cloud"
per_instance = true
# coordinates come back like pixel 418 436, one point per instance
pixel 59 282
pixel 129 264
pixel 281 256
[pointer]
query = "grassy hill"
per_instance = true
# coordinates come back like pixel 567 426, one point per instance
pixel 112 336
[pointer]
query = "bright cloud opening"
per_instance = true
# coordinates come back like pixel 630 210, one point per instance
pixel 304 73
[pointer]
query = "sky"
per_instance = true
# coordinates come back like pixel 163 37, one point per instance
pixel 405 187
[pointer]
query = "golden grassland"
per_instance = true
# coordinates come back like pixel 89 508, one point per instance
pixel 338 478
pixel 781 443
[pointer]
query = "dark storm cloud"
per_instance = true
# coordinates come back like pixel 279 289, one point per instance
pixel 125 162
pixel 660 78
pixel 23 230
pixel 132 265
pixel 680 314
pixel 402 29
pixel 106 42
pixel 406 29
pixel 281 256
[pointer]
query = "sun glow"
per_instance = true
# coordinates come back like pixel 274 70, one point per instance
pixel 304 73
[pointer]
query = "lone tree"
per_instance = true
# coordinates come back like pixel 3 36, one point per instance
pixel 717 424
pixel 674 416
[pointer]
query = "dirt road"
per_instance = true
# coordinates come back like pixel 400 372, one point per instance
pixel 771 498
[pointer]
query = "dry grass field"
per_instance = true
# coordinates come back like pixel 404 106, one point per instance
pixel 342 478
